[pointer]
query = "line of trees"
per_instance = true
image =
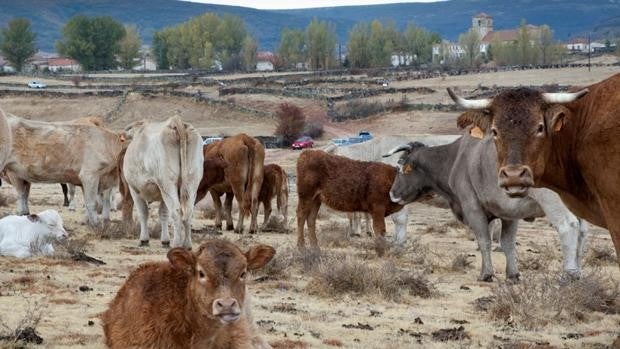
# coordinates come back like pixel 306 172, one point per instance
pixel 205 42
pixel 315 45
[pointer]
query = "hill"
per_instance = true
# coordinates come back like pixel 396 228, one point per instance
pixel 449 18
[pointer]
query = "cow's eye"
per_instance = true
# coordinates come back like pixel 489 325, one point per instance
pixel 201 274
pixel 541 129
pixel 242 276
pixel 494 132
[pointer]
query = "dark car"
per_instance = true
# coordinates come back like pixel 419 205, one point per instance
pixel 303 142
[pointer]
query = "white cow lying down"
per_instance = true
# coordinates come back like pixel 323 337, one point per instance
pixel 23 236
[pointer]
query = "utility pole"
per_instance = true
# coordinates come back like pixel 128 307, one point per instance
pixel 589 52
pixel 339 56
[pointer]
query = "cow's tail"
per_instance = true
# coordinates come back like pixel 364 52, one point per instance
pixel 179 126
pixel 256 157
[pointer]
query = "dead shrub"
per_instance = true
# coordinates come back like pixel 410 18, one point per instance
pixel 333 342
pixel 278 266
pixel 543 298
pixel 460 263
pixel 288 344
pixel 116 230
pixel 341 274
pixel 314 129
pixel 24 331
pixel 601 254
pixel 533 263
pixel 291 121
pixel 358 109
pixel 436 229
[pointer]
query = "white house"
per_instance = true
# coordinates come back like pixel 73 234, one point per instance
pixel 264 61
pixel 63 64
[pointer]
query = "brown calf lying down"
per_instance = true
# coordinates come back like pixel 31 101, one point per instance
pixel 344 185
pixel 195 300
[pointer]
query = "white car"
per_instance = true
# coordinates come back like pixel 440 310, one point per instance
pixel 210 140
pixel 36 84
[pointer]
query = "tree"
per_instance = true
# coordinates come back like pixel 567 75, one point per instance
pixel 92 41
pixel 359 46
pixel 380 48
pixel 470 43
pixel 546 44
pixel 291 122
pixel 321 44
pixel 526 50
pixel 293 47
pixel 129 47
pixel 17 42
pixel 418 44
pixel 249 51
pixel 159 49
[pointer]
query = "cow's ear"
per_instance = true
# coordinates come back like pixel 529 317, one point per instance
pixel 258 256
pixel 34 218
pixel 555 117
pixel 479 118
pixel 182 259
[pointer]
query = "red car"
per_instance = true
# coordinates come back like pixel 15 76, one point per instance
pixel 303 142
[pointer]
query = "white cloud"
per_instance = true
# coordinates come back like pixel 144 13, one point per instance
pixel 287 4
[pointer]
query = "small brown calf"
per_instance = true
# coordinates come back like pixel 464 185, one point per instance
pixel 344 185
pixel 275 183
pixel 195 300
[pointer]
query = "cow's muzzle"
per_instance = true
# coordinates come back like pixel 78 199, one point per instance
pixel 227 310
pixel 516 180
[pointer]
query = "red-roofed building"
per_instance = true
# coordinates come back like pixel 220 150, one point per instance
pixel 62 64
pixel 264 61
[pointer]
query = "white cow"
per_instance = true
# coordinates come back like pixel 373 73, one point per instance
pixel 24 236
pixel 164 163
pixel 63 152
pixel 373 150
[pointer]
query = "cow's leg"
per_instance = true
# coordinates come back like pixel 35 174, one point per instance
pixel 228 203
pixel 267 211
pixel 367 217
pixel 71 192
pixel 582 241
pixel 105 210
pixel 351 218
pixel 479 224
pixel 568 228
pixel 378 223
pixel 508 242
pixel 303 208
pixel 254 205
pixel 400 219
pixel 171 200
pixel 282 203
pixel 63 186
pixel 243 199
pixel 217 206
pixel 23 191
pixel 143 215
pixel 127 210
pixel 90 187
pixel 163 220
pixel 313 213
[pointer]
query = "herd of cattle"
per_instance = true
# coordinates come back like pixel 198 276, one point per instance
pixel 567 145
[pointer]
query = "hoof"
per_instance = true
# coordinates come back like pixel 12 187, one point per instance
pixel 237 231
pixel 230 227
pixel 144 243
pixel 165 244
pixel 380 247
pixel 252 231
pixel 514 278
pixel 486 278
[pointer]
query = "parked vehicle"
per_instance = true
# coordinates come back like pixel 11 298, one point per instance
pixel 365 135
pixel 303 142
pixel 36 84
pixel 210 140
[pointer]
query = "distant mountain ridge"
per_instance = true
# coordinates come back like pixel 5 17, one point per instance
pixel 568 18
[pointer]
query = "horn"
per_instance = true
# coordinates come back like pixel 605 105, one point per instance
pixel 469 103
pixel 564 97
pixel 404 147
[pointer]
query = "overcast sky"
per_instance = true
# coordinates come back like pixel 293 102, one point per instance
pixel 288 4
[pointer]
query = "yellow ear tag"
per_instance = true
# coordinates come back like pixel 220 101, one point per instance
pixel 476 132
pixel 407 169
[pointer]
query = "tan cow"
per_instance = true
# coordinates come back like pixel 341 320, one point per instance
pixel 245 157
pixel 5 140
pixel 163 163
pixel 195 300
pixel 63 152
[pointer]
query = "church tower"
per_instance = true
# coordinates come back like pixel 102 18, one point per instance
pixel 482 23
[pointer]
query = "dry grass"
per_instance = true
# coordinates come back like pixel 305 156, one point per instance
pixel 460 263
pixel 541 299
pixel 335 234
pixel 601 254
pixel 289 344
pixel 436 229
pixel 338 274
pixel 24 331
pixel 7 200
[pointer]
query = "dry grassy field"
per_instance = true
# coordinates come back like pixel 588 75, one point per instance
pixel 421 295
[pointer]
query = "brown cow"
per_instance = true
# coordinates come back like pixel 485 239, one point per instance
pixel 275 183
pixel 245 157
pixel 195 300
pixel 344 185
pixel 568 142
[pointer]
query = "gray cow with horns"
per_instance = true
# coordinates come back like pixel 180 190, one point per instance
pixel 464 173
